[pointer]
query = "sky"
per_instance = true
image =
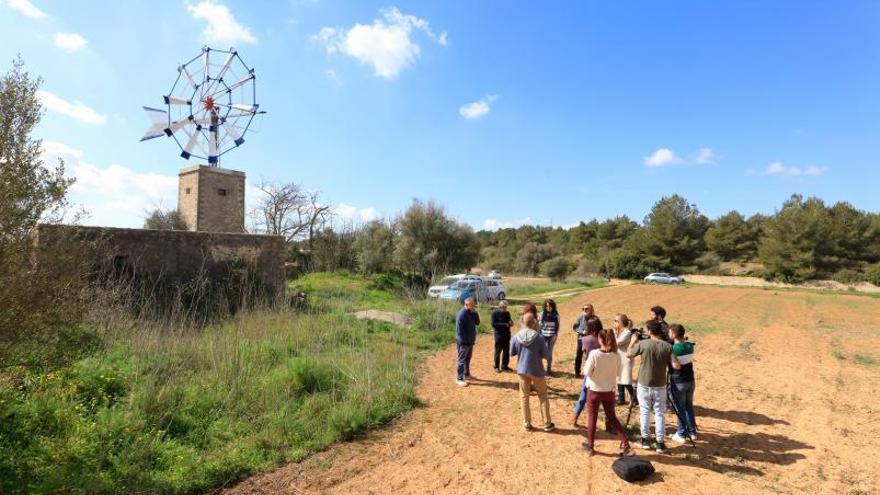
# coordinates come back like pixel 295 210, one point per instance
pixel 505 112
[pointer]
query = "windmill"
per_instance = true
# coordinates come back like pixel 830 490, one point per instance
pixel 210 107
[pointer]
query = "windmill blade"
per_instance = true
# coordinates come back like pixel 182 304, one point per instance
pixel 173 100
pixel 241 106
pixel 178 124
pixel 232 132
pixel 190 144
pixel 226 65
pixel 239 83
pixel 187 76
pixel 160 121
pixel 207 64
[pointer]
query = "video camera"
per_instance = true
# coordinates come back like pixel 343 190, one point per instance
pixel 640 333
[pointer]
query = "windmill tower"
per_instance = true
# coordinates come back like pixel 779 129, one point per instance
pixel 208 112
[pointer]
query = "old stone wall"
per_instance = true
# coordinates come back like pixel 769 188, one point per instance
pixel 172 254
pixel 211 199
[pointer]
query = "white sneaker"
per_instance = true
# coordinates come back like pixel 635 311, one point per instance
pixel 461 383
pixel 694 437
pixel 678 438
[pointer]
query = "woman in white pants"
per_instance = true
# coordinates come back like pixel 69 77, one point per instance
pixel 624 333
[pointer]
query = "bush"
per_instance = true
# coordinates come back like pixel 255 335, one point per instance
pixel 709 263
pixel 872 274
pixel 624 264
pixel 847 276
pixel 556 268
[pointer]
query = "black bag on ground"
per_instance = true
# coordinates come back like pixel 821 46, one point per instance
pixel 632 468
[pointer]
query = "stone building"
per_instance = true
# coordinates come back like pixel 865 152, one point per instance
pixel 211 199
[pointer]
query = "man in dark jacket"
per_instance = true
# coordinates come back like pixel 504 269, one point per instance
pixel 502 323
pixel 465 337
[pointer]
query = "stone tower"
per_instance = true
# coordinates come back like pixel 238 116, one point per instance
pixel 211 199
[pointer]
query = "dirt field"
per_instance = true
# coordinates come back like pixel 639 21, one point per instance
pixel 785 385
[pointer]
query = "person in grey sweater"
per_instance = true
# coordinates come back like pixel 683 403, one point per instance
pixel 530 347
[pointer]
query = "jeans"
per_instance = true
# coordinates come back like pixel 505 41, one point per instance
pixel 539 385
pixel 582 401
pixel 579 357
pixel 551 341
pixel 652 398
pixel 683 393
pixel 607 400
pixel 463 365
pixel 502 350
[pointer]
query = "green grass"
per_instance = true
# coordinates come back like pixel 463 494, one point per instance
pixel 525 290
pixel 864 359
pixel 167 410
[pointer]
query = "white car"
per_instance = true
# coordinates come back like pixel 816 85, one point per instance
pixel 438 288
pixel 663 278
pixel 482 290
pixel 495 290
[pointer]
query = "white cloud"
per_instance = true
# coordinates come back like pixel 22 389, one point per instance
pixel 706 156
pixel 661 157
pixel 115 196
pixel 386 44
pixel 477 109
pixel 26 8
pixel 777 168
pixel 353 213
pixel 222 25
pixel 70 42
pixel 493 224
pixel 75 110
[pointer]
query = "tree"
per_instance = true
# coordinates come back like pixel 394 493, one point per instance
pixel 429 242
pixel 29 191
pixel 372 246
pixel 36 304
pixel 162 219
pixel 557 268
pixel 795 240
pixel 531 255
pixel 673 233
pixel 732 238
pixel 288 211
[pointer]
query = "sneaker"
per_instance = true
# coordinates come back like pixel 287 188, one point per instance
pixel 461 383
pixel 661 448
pixel 694 437
pixel 507 368
pixel 677 438
pixel 627 451
pixel 589 448
pixel 528 428
pixel 497 370
pixel 645 443
pixel 549 427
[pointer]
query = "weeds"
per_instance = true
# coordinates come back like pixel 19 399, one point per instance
pixel 864 359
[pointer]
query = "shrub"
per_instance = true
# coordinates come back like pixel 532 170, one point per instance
pixel 872 274
pixel 848 276
pixel 557 268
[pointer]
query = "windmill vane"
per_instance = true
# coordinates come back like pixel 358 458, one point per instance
pixel 210 107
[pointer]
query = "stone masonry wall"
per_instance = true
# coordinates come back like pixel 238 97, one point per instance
pixel 173 254
pixel 211 199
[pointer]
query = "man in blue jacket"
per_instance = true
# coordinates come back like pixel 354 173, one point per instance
pixel 531 348
pixel 465 337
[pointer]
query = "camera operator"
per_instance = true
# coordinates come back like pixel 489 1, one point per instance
pixel 658 314
pixel 656 358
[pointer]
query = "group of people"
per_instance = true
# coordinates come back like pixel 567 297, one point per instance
pixel 604 359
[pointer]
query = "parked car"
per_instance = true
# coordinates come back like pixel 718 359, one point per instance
pixel 495 290
pixel 663 278
pixel 437 289
pixel 495 274
pixel 465 288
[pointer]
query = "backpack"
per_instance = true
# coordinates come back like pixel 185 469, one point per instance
pixel 632 469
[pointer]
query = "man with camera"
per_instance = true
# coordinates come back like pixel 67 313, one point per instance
pixel 656 357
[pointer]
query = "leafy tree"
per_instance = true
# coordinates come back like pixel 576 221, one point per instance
pixel 732 238
pixel 373 244
pixel 673 233
pixel 557 268
pixel 850 236
pixel 37 303
pixel 162 219
pixel 429 242
pixel 795 240
pixel 531 255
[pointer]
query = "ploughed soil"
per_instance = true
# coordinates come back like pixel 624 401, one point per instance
pixel 786 402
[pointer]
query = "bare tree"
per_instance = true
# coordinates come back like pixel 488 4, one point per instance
pixel 289 211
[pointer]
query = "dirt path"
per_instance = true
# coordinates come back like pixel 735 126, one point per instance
pixel 782 406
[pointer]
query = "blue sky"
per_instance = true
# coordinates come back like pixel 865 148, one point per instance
pixel 505 112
